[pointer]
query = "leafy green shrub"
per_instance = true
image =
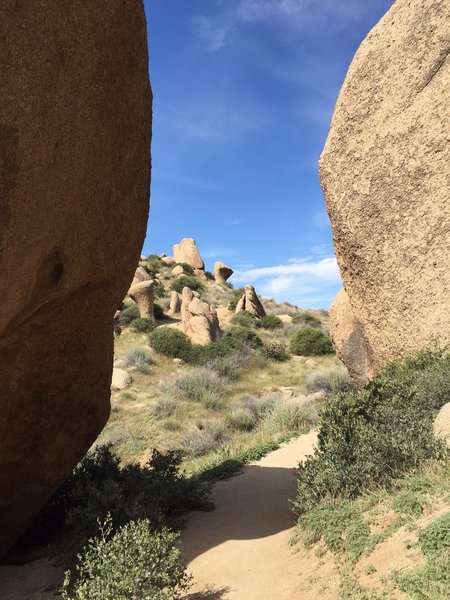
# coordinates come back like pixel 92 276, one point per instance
pixel 128 314
pixel 237 295
pixel 242 418
pixel 188 269
pixel 310 342
pixel 201 355
pixel 186 281
pixel 133 563
pixel 158 311
pixel 209 275
pixel 160 292
pixel 330 379
pixel 275 351
pixel 240 336
pixel 138 358
pixel 372 436
pixel 307 319
pixel 170 342
pixel 198 385
pixel 271 322
pixel 143 325
pixel 245 319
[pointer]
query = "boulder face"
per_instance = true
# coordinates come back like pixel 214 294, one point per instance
pixel 186 252
pixel 250 303
pixel 385 174
pixel 75 119
pixel 222 273
pixel 199 320
pixel 144 295
pixel 140 275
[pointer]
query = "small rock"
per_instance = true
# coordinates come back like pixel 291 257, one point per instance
pixel 177 271
pixel 441 427
pixel 121 380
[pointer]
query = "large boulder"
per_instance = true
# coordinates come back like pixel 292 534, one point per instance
pixel 348 338
pixel 75 116
pixel 140 275
pixel 385 175
pixel 186 252
pixel 199 320
pixel 144 295
pixel 221 272
pixel 250 302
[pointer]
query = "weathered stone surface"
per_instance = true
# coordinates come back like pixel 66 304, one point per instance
pixel 199 320
pixel 386 178
pixel 168 260
pixel 186 252
pixel 177 271
pixel 140 275
pixel 75 116
pixel 121 380
pixel 221 272
pixel 175 302
pixel 143 294
pixel 348 339
pixel 250 303
pixel 441 427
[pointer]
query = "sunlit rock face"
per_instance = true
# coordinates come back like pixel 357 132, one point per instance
pixel 75 121
pixel 386 177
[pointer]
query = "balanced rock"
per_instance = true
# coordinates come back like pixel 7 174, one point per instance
pixel 75 116
pixel 221 272
pixel 199 320
pixel 143 294
pixel 348 339
pixel 186 252
pixel 250 303
pixel 177 271
pixel 385 175
pixel 175 302
pixel 441 426
pixel 140 275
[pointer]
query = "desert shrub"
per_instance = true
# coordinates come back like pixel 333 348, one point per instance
pixel 330 379
pixel 372 436
pixel 240 336
pixel 242 418
pixel 245 319
pixel 202 438
pixel 164 406
pixel 198 385
pixel 289 415
pixel 201 355
pixel 100 485
pixel 160 292
pixel 237 295
pixel 307 319
pixel 310 341
pixel 188 269
pixel 158 311
pixel 209 275
pixel 271 322
pixel 128 314
pixel 138 358
pixel 143 325
pixel 186 281
pixel 132 563
pixel 170 342
pixel 275 351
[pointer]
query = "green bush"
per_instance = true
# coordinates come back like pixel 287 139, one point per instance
pixel 143 325
pixel 241 336
pixel 170 342
pixel 307 319
pixel 310 342
pixel 209 275
pixel 128 314
pixel 271 322
pixel 188 269
pixel 158 311
pixel 138 358
pixel 372 436
pixel 133 563
pixel 245 319
pixel 186 281
pixel 275 351
pixel 331 380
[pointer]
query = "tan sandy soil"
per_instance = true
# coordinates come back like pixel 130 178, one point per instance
pixel 240 551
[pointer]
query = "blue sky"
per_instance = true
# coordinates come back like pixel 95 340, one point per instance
pixel 244 92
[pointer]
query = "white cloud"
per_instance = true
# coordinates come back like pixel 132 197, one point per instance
pixel 218 251
pixel 303 281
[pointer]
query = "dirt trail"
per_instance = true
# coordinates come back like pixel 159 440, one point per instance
pixel 240 550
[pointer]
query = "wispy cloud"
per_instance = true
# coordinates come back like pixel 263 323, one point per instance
pixel 219 252
pixel 301 280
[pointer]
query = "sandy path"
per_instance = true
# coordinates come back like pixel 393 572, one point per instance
pixel 240 550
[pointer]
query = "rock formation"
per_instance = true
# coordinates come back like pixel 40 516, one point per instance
pixel 75 116
pixel 177 271
pixel 140 275
pixel 121 380
pixel 441 425
pixel 143 294
pixel 250 303
pixel 385 175
pixel 199 320
pixel 348 339
pixel 186 252
pixel 175 303
pixel 168 260
pixel 222 272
